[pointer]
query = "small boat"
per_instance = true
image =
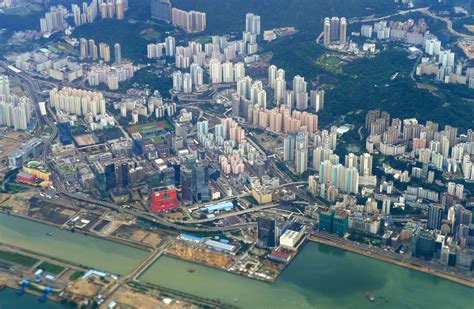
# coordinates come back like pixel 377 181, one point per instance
pixel 191 270
pixel 369 297
pixel 49 234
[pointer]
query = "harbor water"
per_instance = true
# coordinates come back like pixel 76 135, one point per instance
pixel 74 247
pixel 10 300
pixel 319 277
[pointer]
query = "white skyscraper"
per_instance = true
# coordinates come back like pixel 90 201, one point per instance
pixel 227 72
pixel 299 90
pixel 239 71
pixel 317 100
pixel 343 31
pixel 365 165
pixel 280 89
pixel 187 83
pixel 178 81
pixel 170 46
pixel 272 72
pixel 215 71
pixel 301 152
pixel 327 31
pixel 77 101
pixel 15 111
pixel 252 23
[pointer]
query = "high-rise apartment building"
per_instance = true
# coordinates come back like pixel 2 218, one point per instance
pixel 252 23
pixel 117 53
pixel 77 101
pixel 343 31
pixel 170 46
pixel 327 31
pixel 191 21
pixel 301 152
pixel 161 10
pixel 435 217
pixel 317 100
pixel 266 232
pixel 335 30
pixel 104 51
pixel 15 111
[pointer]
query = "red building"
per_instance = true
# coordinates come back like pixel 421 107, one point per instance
pixel 25 177
pixel 164 199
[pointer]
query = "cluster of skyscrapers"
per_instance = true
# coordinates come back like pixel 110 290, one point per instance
pixel 335 31
pixel 88 49
pixel 15 111
pixel 252 24
pixel 445 150
pixel 110 75
pixel 54 20
pixel 194 176
pixel 77 101
pixel 298 96
pixel 106 9
pixel 191 21
pixel 226 72
pixel 186 82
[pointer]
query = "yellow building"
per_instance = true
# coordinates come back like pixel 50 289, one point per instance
pixel 262 195
pixel 37 169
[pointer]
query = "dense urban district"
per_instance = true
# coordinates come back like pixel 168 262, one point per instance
pixel 230 135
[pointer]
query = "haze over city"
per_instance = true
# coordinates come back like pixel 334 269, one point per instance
pixel 236 154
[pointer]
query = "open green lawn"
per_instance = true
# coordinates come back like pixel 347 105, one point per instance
pixel 76 275
pixel 161 125
pixel 17 258
pixel 152 36
pixel 51 268
pixel 332 64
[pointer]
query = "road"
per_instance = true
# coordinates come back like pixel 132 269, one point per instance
pixel 449 25
pixel 457 275
pixel 154 218
pixel 33 88
pixel 372 19
pixel 423 10
pixel 230 214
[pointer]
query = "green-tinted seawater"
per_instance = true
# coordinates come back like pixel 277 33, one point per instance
pixel 10 300
pixel 85 250
pixel 319 277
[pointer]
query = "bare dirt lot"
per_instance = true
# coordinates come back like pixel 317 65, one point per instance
pixel 50 212
pixel 19 202
pixel 468 49
pixel 136 234
pixel 127 298
pixel 85 288
pixel 469 27
pixel 199 255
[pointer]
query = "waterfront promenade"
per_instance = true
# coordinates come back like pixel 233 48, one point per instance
pixel 394 258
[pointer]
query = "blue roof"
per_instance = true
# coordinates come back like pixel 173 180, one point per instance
pixel 217 207
pixel 191 237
